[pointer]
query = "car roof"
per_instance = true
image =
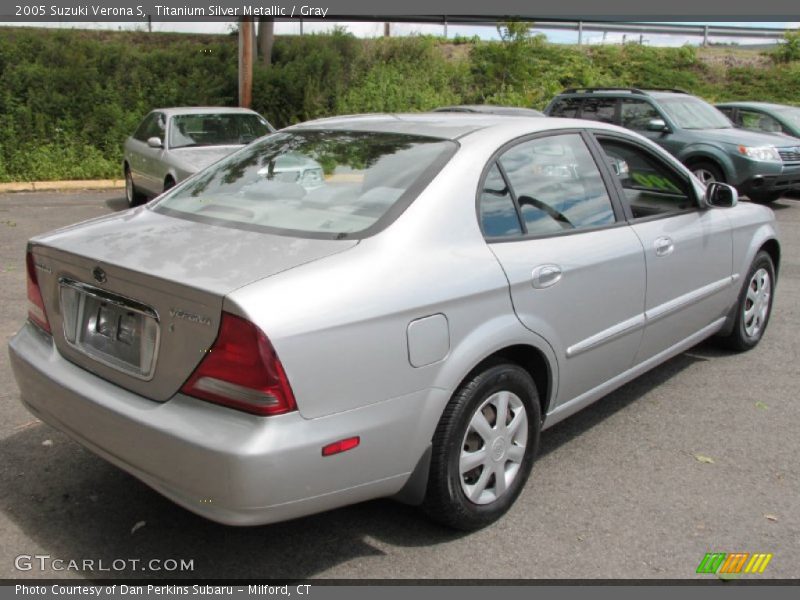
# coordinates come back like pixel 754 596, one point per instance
pixel 492 109
pixel 749 104
pixel 445 125
pixel 625 93
pixel 202 110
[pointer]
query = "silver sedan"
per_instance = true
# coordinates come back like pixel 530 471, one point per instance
pixel 383 306
pixel 172 144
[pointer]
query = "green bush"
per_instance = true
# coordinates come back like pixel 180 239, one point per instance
pixel 69 98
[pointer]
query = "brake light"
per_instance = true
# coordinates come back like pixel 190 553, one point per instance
pixel 242 371
pixel 36 312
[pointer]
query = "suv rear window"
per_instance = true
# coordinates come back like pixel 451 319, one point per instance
pixel 329 184
pixel 565 107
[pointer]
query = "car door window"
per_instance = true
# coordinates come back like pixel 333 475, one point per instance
pixel 145 126
pixel 557 185
pixel 651 187
pixel 757 121
pixel 636 114
pixel 499 216
pixel 566 107
pixel 156 127
pixel 599 109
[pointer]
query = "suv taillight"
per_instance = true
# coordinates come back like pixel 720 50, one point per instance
pixel 242 371
pixel 36 312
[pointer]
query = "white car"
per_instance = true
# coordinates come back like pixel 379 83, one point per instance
pixel 172 144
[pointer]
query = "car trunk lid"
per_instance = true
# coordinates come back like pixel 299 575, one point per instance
pixel 136 297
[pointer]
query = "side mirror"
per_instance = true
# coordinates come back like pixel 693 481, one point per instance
pixel 154 142
pixel 657 125
pixel 721 195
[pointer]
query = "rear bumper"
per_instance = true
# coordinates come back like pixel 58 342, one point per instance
pixel 225 465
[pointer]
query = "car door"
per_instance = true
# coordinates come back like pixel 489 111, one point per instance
pixel 688 248
pixel 153 158
pixel 576 270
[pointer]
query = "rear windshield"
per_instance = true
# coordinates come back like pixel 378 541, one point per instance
pixel 216 129
pixel 328 184
pixel 693 113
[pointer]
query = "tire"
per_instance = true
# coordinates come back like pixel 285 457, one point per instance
pixel 754 305
pixel 132 195
pixel 764 197
pixel 474 498
pixel 707 172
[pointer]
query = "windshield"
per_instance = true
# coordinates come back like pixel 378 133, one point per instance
pixel 330 184
pixel 692 113
pixel 790 114
pixel 216 129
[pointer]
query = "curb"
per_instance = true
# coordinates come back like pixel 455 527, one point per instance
pixel 51 186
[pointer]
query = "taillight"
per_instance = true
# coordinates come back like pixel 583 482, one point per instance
pixel 36 312
pixel 242 371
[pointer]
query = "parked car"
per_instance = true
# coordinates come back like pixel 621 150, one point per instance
pixel 172 144
pixel 257 349
pixel 491 109
pixel 759 165
pixel 764 117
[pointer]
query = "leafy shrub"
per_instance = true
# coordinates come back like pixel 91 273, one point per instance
pixel 69 98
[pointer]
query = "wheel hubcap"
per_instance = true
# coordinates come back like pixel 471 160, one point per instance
pixel 129 187
pixel 704 175
pixel 493 447
pixel 757 302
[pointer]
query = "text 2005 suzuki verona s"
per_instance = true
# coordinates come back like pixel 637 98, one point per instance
pixel 400 315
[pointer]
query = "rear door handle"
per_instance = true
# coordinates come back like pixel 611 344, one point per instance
pixel 545 276
pixel 664 246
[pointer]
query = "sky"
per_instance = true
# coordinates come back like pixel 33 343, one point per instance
pixel 362 29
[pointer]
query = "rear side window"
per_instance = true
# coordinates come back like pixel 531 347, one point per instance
pixel 566 107
pixel 329 184
pixel 599 109
pixel 498 214
pixel 557 185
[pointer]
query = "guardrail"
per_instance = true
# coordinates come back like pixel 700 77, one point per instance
pixel 706 32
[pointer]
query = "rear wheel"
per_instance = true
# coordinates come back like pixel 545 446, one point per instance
pixel 483 448
pixel 754 306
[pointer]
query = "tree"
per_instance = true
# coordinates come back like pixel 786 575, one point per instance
pixel 266 38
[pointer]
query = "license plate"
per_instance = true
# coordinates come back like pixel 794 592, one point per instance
pixel 116 331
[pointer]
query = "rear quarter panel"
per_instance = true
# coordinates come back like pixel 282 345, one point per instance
pixel 339 325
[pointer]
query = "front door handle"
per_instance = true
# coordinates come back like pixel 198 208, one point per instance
pixel 545 276
pixel 664 246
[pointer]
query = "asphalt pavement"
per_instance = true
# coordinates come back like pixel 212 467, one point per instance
pixel 699 455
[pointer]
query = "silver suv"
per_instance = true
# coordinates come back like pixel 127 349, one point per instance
pixel 761 166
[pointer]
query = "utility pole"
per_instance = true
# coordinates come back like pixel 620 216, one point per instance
pixel 386 30
pixel 245 61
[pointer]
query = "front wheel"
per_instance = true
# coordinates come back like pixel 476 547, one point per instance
pixel 132 195
pixel 707 172
pixel 484 448
pixel 754 306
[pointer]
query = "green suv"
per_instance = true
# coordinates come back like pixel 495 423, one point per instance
pixel 761 166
